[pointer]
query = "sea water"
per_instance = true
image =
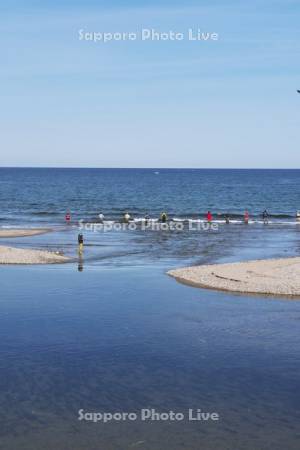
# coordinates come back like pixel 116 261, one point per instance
pixel 110 333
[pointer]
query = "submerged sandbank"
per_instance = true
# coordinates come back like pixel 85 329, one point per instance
pixel 271 276
pixel 17 232
pixel 10 255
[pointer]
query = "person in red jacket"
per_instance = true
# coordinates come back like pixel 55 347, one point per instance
pixel 246 217
pixel 209 216
pixel 68 217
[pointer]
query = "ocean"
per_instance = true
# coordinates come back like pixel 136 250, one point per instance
pixel 44 195
pixel 41 197
pixel 110 332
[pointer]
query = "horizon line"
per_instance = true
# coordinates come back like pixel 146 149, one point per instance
pixel 149 168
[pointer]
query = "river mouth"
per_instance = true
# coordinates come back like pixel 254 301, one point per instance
pixel 124 339
pixel 109 332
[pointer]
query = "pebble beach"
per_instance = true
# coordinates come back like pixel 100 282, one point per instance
pixel 272 277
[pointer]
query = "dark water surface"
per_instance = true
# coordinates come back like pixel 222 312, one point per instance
pixel 127 339
pixel 44 195
pixel 111 332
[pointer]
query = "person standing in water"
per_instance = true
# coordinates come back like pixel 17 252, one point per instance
pixel 80 243
pixel 163 217
pixel 126 217
pixel 68 217
pixel 265 216
pixel 246 217
pixel 227 218
pixel 209 217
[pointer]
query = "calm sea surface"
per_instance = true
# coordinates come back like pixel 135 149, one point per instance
pixel 44 195
pixel 111 332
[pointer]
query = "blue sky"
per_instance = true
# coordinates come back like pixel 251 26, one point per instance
pixel 227 103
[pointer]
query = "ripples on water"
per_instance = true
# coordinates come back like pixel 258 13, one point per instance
pixel 37 194
pixel 120 335
pixel 40 197
pixel 129 339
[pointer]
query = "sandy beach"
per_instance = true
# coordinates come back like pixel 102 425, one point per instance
pixel 17 232
pixel 10 255
pixel 273 276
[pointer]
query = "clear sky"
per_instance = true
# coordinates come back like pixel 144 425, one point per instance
pixel 225 103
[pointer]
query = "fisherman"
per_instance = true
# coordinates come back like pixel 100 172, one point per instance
pixel 246 217
pixel 147 218
pixel 227 218
pixel 163 217
pixel 68 217
pixel 126 217
pixel 265 216
pixel 209 217
pixel 80 243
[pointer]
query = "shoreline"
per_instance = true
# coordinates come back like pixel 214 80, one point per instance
pixel 20 256
pixel 23 232
pixel 280 277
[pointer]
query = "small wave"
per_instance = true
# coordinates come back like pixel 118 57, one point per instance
pixel 142 219
pixel 177 219
pixel 231 216
pixel 98 222
pixel 282 216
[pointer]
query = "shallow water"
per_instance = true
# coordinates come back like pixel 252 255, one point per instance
pixel 131 338
pixel 111 332
pixel 41 197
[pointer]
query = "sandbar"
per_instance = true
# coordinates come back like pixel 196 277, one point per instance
pixel 17 232
pixel 11 255
pixel 268 276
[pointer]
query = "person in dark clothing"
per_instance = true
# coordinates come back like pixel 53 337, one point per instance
pixel 163 217
pixel 265 216
pixel 80 242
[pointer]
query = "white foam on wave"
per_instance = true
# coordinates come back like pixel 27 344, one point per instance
pixel 142 219
pixel 235 221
